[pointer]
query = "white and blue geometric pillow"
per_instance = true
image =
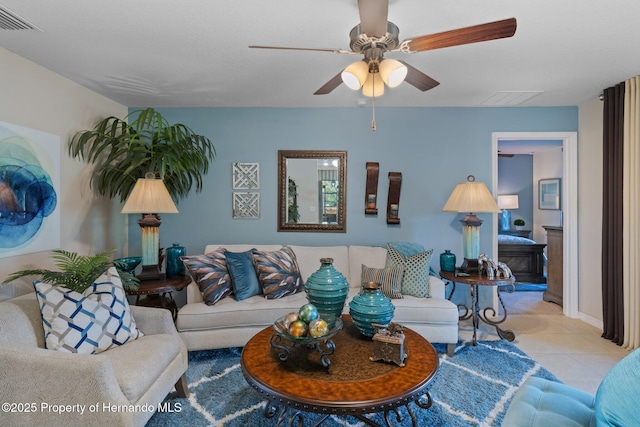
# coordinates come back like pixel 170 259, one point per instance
pixel 88 323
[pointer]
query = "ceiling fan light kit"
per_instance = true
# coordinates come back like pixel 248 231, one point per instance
pixel 374 37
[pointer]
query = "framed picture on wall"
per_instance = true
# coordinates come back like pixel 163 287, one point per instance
pixel 549 194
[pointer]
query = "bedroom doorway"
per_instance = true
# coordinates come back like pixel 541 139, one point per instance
pixel 568 218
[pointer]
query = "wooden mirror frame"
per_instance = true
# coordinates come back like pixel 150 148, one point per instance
pixel 283 225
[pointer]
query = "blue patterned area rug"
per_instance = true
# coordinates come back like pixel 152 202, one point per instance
pixel 473 388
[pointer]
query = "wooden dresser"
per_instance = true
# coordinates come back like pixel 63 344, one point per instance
pixel 554 264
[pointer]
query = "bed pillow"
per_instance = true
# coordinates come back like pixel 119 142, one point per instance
pixel 89 322
pixel 390 279
pixel 210 272
pixel 415 281
pixel 278 273
pixel 243 275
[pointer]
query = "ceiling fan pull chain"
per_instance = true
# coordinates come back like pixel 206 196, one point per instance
pixel 373 121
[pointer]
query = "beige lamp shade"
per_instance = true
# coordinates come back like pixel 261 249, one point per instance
pixel 149 195
pixel 471 196
pixel 374 86
pixel 508 201
pixel 392 72
pixel 355 75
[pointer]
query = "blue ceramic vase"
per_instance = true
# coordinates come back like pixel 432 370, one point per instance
pixel 447 261
pixel 175 267
pixel 370 306
pixel 327 289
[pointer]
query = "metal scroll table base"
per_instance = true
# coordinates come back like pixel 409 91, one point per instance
pixel 295 417
pixel 476 314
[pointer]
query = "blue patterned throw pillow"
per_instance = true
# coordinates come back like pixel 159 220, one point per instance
pixel 416 271
pixel 278 272
pixel 210 273
pixel 89 322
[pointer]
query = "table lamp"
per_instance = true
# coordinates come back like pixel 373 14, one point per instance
pixel 506 202
pixel 150 197
pixel 471 197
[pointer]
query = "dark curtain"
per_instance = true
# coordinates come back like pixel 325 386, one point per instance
pixel 612 293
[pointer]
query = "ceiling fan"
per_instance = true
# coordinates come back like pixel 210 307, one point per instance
pixel 374 36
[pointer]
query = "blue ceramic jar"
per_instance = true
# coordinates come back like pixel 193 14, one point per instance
pixel 327 289
pixel 370 306
pixel 447 261
pixel 175 267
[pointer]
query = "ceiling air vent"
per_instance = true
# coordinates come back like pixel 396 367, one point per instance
pixel 11 21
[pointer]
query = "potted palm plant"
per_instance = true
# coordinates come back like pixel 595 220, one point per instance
pixel 78 272
pixel 123 150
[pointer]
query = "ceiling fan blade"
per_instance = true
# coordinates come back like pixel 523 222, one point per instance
pixel 474 34
pixel 330 85
pixel 304 48
pixel 419 79
pixel 373 17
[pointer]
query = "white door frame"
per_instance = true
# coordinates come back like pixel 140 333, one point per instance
pixel 569 207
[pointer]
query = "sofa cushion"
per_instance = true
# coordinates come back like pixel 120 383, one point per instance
pixel 278 273
pixel 308 258
pixel 416 271
pixel 243 274
pixel 91 322
pixel 210 272
pixel 390 279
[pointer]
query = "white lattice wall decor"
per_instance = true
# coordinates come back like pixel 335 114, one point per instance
pixel 246 205
pixel 246 176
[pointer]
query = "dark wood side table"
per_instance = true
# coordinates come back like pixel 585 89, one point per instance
pixel 352 386
pixel 474 313
pixel 159 292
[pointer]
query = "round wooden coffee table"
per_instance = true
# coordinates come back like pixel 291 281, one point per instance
pixel 351 386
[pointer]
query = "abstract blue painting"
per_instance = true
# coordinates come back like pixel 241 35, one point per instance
pixel 29 189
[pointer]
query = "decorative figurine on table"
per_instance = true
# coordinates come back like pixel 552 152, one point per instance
pixel 487 266
pixel 388 343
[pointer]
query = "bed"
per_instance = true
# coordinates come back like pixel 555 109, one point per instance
pixel 523 256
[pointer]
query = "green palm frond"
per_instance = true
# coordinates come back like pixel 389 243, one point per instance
pixel 123 150
pixel 77 272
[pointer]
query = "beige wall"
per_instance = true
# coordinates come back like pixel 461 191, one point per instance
pixel 37 98
pixel 546 164
pixel 590 211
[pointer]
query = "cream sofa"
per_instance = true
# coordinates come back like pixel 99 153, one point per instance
pixel 231 323
pixel 139 373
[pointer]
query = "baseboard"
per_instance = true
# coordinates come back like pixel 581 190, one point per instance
pixel 591 320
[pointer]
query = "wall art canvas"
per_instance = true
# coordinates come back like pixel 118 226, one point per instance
pixel 29 190
pixel 246 205
pixel 246 176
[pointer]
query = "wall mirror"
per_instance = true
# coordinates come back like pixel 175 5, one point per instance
pixel 312 191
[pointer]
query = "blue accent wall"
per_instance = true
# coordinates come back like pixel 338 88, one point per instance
pixel 433 148
pixel 515 176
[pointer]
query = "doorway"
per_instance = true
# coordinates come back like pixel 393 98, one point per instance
pixel 569 207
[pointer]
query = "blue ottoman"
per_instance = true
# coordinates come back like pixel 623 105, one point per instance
pixel 545 403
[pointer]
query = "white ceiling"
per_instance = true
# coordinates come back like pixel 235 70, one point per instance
pixel 194 53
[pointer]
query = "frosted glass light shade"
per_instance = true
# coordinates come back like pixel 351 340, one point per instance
pixel 374 86
pixel 392 72
pixel 149 195
pixel 355 75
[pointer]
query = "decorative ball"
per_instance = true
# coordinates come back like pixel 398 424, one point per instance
pixel 318 328
pixel 298 328
pixel 290 318
pixel 308 313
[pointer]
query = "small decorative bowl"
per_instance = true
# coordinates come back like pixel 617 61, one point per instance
pixel 281 330
pixel 128 264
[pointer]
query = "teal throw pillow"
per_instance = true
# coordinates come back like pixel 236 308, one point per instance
pixel 619 393
pixel 243 275
pixel 415 281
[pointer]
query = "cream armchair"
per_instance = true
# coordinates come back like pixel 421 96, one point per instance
pixel 122 386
